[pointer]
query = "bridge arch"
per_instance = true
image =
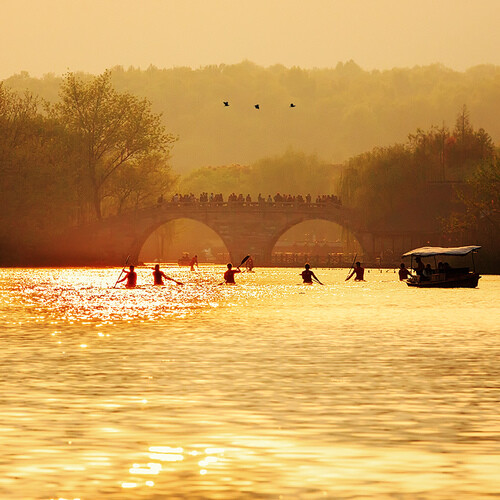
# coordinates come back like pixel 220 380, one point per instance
pixel 244 228
pixel 189 234
pixel 310 219
pixel 148 229
pixel 324 226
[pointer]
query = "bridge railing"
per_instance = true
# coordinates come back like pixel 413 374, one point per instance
pixel 187 206
pixel 246 204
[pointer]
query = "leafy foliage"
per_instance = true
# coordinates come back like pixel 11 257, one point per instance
pixel 116 131
pixel 438 179
pixel 90 146
pixel 34 181
pixel 95 153
pixel 291 173
pixel 340 112
pixel 480 197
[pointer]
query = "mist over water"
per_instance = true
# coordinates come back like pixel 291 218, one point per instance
pixel 267 388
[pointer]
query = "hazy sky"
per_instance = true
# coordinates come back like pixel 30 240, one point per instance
pixel 41 36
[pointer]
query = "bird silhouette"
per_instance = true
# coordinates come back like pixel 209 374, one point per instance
pixel 257 106
pixel 226 103
pixel 292 105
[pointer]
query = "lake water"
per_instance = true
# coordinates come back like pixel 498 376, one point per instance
pixel 267 389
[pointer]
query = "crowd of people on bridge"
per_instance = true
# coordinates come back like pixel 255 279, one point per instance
pixel 234 198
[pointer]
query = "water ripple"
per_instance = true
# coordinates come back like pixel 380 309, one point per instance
pixel 266 389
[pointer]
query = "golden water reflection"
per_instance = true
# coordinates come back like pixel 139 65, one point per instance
pixel 255 391
pixel 200 459
pixel 84 296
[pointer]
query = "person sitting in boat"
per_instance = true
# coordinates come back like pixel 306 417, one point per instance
pixel 131 278
pixel 419 268
pixel 308 275
pixel 358 271
pixel 427 273
pixel 229 274
pixel 403 272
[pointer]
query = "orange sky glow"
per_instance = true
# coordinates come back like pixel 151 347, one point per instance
pixel 54 36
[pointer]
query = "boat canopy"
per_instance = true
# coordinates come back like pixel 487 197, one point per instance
pixel 431 251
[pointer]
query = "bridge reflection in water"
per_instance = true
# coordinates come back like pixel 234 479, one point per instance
pixel 244 228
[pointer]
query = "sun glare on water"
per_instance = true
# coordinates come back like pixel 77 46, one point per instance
pixel 262 389
pixel 83 295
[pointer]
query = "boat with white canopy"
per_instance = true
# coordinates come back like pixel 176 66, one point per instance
pixel 442 275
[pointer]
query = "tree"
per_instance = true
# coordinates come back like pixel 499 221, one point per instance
pixel 116 131
pixel 431 152
pixel 468 147
pixel 481 198
pixel 291 173
pixel 36 186
pixel 409 184
pixel 140 185
pixel 477 219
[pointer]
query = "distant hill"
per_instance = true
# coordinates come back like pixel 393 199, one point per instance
pixel 339 112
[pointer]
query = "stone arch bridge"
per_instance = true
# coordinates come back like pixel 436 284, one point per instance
pixel 245 228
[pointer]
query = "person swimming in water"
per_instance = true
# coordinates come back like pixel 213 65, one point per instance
pixel 159 275
pixel 358 271
pixel 131 277
pixel 229 274
pixel 308 275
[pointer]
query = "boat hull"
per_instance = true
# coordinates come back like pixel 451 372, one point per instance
pixel 469 281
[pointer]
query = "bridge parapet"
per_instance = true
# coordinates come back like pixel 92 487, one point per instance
pixel 244 227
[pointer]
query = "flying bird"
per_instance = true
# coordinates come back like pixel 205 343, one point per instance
pixel 292 105
pixel 257 106
pixel 226 103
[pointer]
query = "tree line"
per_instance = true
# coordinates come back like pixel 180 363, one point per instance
pixel 94 152
pixel 97 151
pixel 340 112
pixel 291 172
pixel 439 181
